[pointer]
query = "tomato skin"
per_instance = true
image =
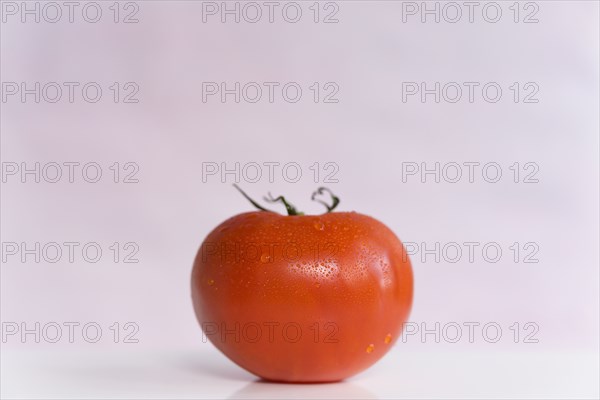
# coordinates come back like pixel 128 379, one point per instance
pixel 343 278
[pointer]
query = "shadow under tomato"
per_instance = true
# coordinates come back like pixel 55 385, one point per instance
pixel 263 389
pixel 217 367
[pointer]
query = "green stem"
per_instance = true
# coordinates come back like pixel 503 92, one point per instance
pixel 291 210
pixel 255 204
pixel 334 199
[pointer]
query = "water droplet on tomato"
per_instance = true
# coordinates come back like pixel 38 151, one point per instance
pixel 211 282
pixel 388 338
pixel 265 258
pixel 370 348
pixel 319 225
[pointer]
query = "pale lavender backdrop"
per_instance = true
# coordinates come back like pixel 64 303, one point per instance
pixel 368 134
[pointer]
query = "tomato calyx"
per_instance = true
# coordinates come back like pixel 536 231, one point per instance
pixel 291 210
pixel 334 199
pixel 255 204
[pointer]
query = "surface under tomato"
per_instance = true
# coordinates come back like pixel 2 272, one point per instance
pixel 302 298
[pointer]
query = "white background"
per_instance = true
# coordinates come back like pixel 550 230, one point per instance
pixel 370 133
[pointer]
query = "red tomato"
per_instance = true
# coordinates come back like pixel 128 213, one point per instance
pixel 302 298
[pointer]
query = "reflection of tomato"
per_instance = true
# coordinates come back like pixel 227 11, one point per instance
pixel 302 298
